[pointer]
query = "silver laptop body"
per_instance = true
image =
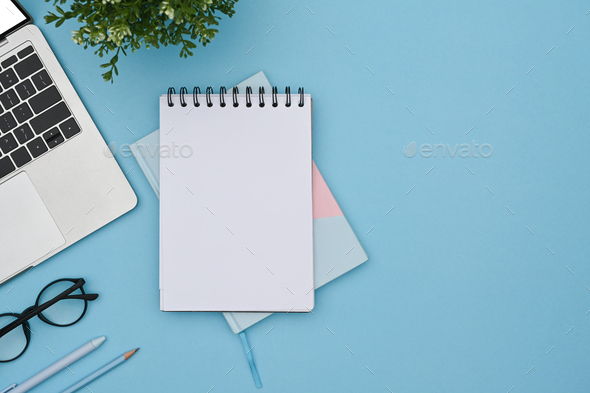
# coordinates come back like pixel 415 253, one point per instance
pixel 57 185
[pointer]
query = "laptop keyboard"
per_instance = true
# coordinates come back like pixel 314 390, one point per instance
pixel 34 118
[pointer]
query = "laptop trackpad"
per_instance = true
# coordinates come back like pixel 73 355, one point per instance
pixel 27 230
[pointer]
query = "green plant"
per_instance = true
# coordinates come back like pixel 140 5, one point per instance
pixel 115 26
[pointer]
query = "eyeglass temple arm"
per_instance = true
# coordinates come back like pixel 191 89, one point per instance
pixel 88 296
pixel 35 311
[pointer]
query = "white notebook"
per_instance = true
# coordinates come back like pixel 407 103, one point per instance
pixel 236 202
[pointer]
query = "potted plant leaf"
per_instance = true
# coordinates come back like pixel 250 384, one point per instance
pixel 115 27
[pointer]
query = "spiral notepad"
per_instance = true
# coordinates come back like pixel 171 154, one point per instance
pixel 236 201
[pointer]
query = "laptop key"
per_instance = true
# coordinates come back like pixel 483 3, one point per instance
pixel 25 90
pixel 49 135
pixel 9 99
pixel 49 118
pixel 45 99
pixel 21 156
pixel 24 134
pixel 6 166
pixel 8 62
pixel 22 112
pixel 7 122
pixel 7 143
pixel 8 78
pixel 53 137
pixel 27 66
pixel 37 147
pixel 55 141
pixel 25 52
pixel 69 128
pixel 41 80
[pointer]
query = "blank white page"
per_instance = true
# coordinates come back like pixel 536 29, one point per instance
pixel 236 205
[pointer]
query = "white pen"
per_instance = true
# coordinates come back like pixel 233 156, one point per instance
pixel 56 367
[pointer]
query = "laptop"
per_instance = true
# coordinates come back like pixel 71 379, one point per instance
pixel 57 184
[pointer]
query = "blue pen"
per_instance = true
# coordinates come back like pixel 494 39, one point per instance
pixel 9 388
pixel 101 371
pixel 55 367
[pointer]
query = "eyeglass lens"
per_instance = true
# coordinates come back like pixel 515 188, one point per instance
pixel 63 313
pixel 13 343
pixel 66 311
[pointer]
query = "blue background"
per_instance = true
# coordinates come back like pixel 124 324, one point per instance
pixel 457 295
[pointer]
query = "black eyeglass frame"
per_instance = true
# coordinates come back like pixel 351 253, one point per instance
pixel 37 309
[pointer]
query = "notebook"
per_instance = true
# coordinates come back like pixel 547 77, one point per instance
pixel 336 248
pixel 335 245
pixel 236 230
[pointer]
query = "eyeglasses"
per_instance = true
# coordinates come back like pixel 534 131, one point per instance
pixel 59 304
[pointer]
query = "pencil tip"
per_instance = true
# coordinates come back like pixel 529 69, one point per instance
pixel 127 355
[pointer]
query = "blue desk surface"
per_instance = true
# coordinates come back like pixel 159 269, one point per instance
pixel 479 270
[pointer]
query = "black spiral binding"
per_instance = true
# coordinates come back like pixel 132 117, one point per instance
pixel 196 92
pixel 208 96
pixel 288 94
pixel 248 97
pixel 183 91
pixel 235 93
pixel 222 93
pixel 301 99
pixel 261 96
pixel 275 101
pixel 171 91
